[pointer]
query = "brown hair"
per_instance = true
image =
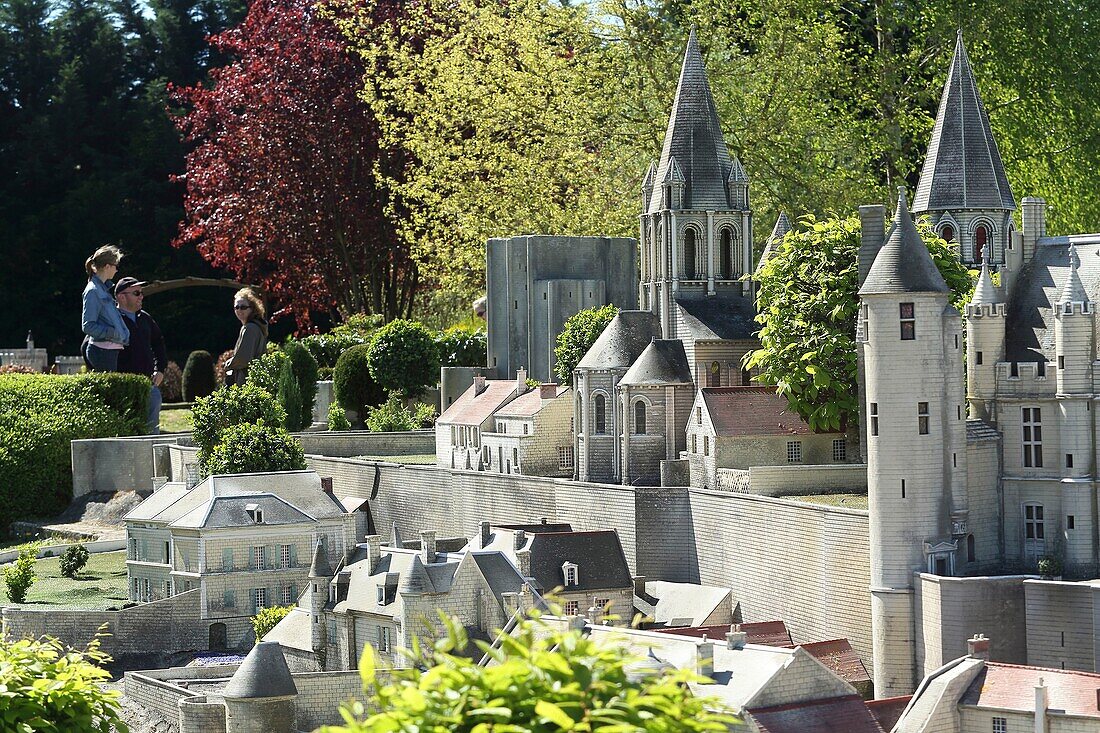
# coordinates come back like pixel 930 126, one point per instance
pixel 108 254
pixel 254 299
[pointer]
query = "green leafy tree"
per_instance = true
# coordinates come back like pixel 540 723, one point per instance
pixel 199 379
pixel 395 416
pixel 402 355
pixel 305 372
pixel 352 383
pixel 263 371
pixel 234 405
pixel 576 338
pixel 460 346
pixel 290 397
pixel 543 679
pixel 256 448
pixel 73 560
pixel 46 687
pixel 808 305
pixel 338 418
pixel 267 619
pixel 21 575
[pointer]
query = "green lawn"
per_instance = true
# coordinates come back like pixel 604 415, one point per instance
pixel 847 501
pixel 175 421
pixel 100 585
pixel 416 459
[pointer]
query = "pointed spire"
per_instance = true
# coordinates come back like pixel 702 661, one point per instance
pixel 984 292
pixel 782 226
pixel 963 168
pixel 396 541
pixel 650 177
pixel 694 139
pixel 1074 290
pixel 737 172
pixel 415 579
pixel 320 567
pixel 903 265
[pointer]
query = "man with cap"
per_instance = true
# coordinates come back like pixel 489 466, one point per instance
pixel 145 353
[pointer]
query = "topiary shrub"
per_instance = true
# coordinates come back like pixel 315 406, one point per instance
pixel 395 416
pixel 126 394
pixel 462 347
pixel 268 618
pixel 403 356
pixel 171 387
pixel 256 448
pixel 73 560
pixel 234 405
pixel 20 575
pixel 352 384
pixel 219 367
pixel 338 418
pixel 198 376
pixel 290 397
pixel 263 371
pixel 305 371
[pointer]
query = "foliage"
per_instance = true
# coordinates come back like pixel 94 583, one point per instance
pixel 396 416
pixel 16 369
pixel 256 448
pixel 281 180
pixel 352 384
pixel 73 560
pixel 263 371
pixel 544 679
pixel 20 575
pixel 1049 566
pixel 338 418
pixel 402 355
pixel 199 379
pixel 305 372
pixel 327 347
pixel 267 618
pixel 171 387
pixel 49 688
pixel 290 397
pixel 576 338
pixel 460 346
pixel 808 304
pixel 234 405
pixel 40 415
pixel 219 367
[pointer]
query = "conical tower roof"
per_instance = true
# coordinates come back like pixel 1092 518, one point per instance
pixel 320 568
pixel 1074 290
pixel 963 168
pixel 984 292
pixel 664 361
pixel 415 579
pixel 263 674
pixel 693 140
pixel 624 339
pixel 903 265
pixel 782 226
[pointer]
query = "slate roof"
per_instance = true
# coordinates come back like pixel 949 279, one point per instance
pixel 725 317
pixel 263 673
pixel 598 555
pixel 529 403
pixel 1012 687
pixel 499 573
pixel 888 710
pixel 839 656
pixel 903 265
pixel 682 604
pixel 158 501
pixel 293 631
pixel 622 341
pixel 963 168
pixel 1074 290
pixel 664 361
pixel 737 412
pixel 979 430
pixel 694 147
pixel 984 292
pixel 474 409
pixel 1029 323
pixel 320 567
pixel 230 511
pixel 538 527
pixel 782 226
pixel 847 714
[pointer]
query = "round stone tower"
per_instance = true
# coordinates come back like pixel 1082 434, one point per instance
pixel 985 345
pixel 916 442
pixel 260 696
pixel 320 573
pixel 1073 343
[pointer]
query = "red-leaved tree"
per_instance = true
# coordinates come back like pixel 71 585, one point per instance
pixel 281 180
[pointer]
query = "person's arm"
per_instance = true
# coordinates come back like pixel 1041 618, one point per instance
pixel 160 353
pixel 89 318
pixel 245 348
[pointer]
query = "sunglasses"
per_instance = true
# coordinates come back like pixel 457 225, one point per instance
pixel 242 307
pixel 135 293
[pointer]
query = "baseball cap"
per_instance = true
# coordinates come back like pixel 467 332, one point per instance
pixel 125 283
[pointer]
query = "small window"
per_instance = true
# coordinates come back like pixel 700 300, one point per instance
pixel 565 457
pixel 706 445
pixel 1069 460
pixel 698 415
pixel 714 375
pixel 1061 362
pixel 922 418
pixel 383 639
pixel 908 322
pixel 978 358
pixel 639 418
pixel 948 233
pixel 1069 521
pixel 981 238
pixel 259 557
pixel 903 488
pixel 571 574
pixel 288 595
pixel 873 409
pixel 971 549
pixel 600 603
pixel 956 341
pixel 261 598
pixel 1034 526
pixel 571 608
pixel 840 450
pixel 689 254
pixel 380 595
pixel 1000 725
pixel 601 414
pixel 1032 433
pixel 794 451
pixel 694 443
pixel 526 428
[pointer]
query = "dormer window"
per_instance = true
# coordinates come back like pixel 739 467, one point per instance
pixel 381 594
pixel 571 573
pixel 255 513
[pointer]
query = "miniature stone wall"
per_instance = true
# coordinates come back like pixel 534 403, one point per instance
pixel 201 715
pixel 1058 632
pixel 793 480
pixel 115 464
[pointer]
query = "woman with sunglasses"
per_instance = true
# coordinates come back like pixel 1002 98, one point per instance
pixel 105 333
pixel 252 341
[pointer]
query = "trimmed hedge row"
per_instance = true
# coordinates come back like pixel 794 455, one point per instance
pixel 40 414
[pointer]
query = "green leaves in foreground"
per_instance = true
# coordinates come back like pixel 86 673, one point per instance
pixel 542 679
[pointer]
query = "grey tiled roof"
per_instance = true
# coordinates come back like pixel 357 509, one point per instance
pixel 263 673
pixel 320 568
pixel 598 556
pixel 963 168
pixel 663 362
pixel 980 430
pixel 984 292
pixel 903 265
pixel 693 140
pixel 499 573
pixel 231 511
pixel 720 317
pixel 622 341
pixel 1074 290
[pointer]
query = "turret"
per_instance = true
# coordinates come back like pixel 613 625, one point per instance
pixel 320 573
pixel 985 345
pixel 1073 329
pixel 259 698
pixel 916 444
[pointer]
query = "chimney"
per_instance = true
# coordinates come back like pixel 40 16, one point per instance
pixel 639 585
pixel 374 551
pixel 479 384
pixel 485 535
pixel 548 391
pixel 523 558
pixel 544 520
pixel 704 658
pixel 872 225
pixel 427 546
pixel 511 603
pixel 736 640
pixel 521 380
pixel 326 484
pixel 519 539
pixel 1033 216
pixel 978 647
pixel 1041 707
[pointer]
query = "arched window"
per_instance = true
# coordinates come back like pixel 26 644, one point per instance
pixel 639 418
pixel 714 375
pixel 725 255
pixel 947 233
pixel 601 414
pixel 981 238
pixel 689 254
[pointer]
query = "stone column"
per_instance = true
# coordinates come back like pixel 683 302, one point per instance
pixel 710 253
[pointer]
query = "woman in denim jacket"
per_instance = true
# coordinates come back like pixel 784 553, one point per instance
pixel 106 332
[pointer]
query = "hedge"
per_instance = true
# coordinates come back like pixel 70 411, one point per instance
pixel 40 415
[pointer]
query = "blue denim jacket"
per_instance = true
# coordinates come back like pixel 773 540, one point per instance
pixel 100 318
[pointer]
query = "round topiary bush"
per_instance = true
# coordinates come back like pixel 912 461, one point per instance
pixel 198 376
pixel 353 386
pixel 171 387
pixel 305 371
pixel 403 356
pixel 73 560
pixel 256 448
pixel 231 406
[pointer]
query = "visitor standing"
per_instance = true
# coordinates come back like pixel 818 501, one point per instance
pixel 105 332
pixel 145 353
pixel 252 341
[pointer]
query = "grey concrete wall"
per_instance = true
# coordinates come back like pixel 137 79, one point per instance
pixel 115 464
pixel 199 715
pixel 350 443
pixel 794 479
pixel 1061 624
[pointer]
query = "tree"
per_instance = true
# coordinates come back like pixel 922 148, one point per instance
pixel 256 448
pixel 305 373
pixel 290 397
pixel 395 416
pixel 267 619
pixel 402 356
pixel 50 688
pixel 576 338
pixel 460 346
pixel 20 575
pixel 352 384
pixel 73 560
pixel 808 304
pixel 282 181
pixel 228 407
pixel 543 679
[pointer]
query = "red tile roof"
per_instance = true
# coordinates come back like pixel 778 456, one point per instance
pixel 742 411
pixel 839 656
pixel 1012 687
pixel 888 710
pixel 847 714
pixel 528 403
pixel 767 633
pixel 471 409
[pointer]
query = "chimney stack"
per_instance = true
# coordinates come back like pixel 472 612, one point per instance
pixel 736 639
pixel 978 647
pixel 548 391
pixel 872 221
pixel 523 558
pixel 427 546
pixel 704 656
pixel 484 534
pixel 326 484
pixel 521 380
pixel 1041 702
pixel 479 384
pixel 30 341
pixel 639 585
pixel 1033 216
pixel 374 551
pixel 520 539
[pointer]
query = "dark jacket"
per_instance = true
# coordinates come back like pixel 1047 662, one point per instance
pixel 145 352
pixel 251 342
